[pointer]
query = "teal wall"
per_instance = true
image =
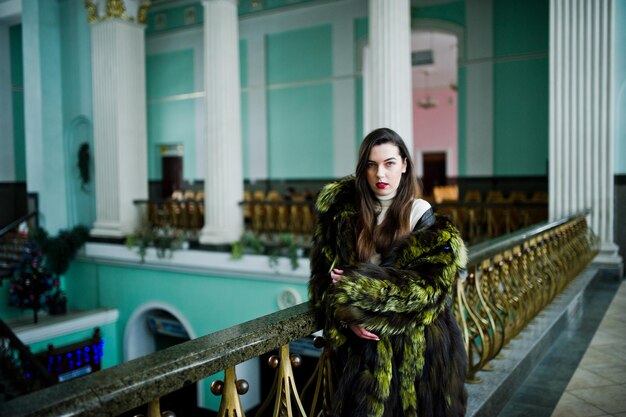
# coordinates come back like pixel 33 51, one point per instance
pixel 300 103
pixel 17 81
pixel 77 109
pixel 453 12
pixel 521 87
pixel 208 303
pixel 521 117
pixel 171 122
pixel 41 30
pixel 175 18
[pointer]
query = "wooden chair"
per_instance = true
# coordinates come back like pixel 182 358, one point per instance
pixel 473 196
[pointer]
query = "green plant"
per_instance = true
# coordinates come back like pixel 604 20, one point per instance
pixel 164 240
pixel 60 250
pixel 273 246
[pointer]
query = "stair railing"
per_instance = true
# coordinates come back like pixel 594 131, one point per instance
pixel 19 365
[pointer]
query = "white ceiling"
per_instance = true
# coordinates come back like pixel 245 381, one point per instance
pixel 443 71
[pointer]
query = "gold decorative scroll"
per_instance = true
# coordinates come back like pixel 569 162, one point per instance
pixel 284 393
pixel 504 293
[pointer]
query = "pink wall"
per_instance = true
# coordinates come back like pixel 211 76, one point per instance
pixel 435 129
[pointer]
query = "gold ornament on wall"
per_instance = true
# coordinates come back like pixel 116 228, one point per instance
pixel 116 8
pixel 142 13
pixel 92 11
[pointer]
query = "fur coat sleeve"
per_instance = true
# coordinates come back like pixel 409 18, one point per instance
pixel 409 289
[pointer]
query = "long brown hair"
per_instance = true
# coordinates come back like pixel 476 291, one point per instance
pixel 373 238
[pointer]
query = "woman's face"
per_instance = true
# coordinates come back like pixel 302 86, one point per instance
pixel 385 167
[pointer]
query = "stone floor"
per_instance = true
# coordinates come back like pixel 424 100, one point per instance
pixel 584 373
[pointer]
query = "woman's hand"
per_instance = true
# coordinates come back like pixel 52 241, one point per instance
pixel 336 275
pixel 362 333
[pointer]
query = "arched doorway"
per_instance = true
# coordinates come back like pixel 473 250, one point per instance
pixel 156 326
pixel 435 106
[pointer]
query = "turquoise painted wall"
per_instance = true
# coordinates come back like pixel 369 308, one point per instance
pixel 17 81
pixel 300 103
pixel 43 121
pixel 453 12
pixel 521 117
pixel 208 303
pixel 77 109
pixel 521 95
pixel 171 120
pixel 520 27
pixel 174 18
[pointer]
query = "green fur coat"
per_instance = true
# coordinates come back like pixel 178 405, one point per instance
pixel 417 368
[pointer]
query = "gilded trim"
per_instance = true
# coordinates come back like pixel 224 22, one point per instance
pixel 116 9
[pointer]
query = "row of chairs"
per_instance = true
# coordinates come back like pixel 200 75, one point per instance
pixel 519 197
pixel 179 214
pixel 274 213
pixel 479 223
pixel 181 195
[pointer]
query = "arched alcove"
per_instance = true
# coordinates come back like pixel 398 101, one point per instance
pixel 139 339
pixel 438 91
pixel 80 197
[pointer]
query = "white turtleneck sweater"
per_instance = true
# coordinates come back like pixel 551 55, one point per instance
pixel 419 208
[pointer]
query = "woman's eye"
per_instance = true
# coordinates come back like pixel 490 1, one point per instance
pixel 371 165
pixel 390 163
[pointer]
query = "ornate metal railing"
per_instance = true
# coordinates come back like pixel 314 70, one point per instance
pixel 22 371
pixel 508 282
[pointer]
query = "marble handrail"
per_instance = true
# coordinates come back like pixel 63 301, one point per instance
pixel 123 387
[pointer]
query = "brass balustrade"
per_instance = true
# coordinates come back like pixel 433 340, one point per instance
pixel 507 283
pixel 507 288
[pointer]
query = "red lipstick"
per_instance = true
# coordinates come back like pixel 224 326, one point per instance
pixel 381 185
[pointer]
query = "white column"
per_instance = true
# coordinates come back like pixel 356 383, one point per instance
pixel 223 183
pixel 119 123
pixel 389 72
pixel 581 142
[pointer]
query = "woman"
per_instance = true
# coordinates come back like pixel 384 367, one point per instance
pixel 382 273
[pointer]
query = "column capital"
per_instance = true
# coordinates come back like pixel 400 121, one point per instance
pixel 128 10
